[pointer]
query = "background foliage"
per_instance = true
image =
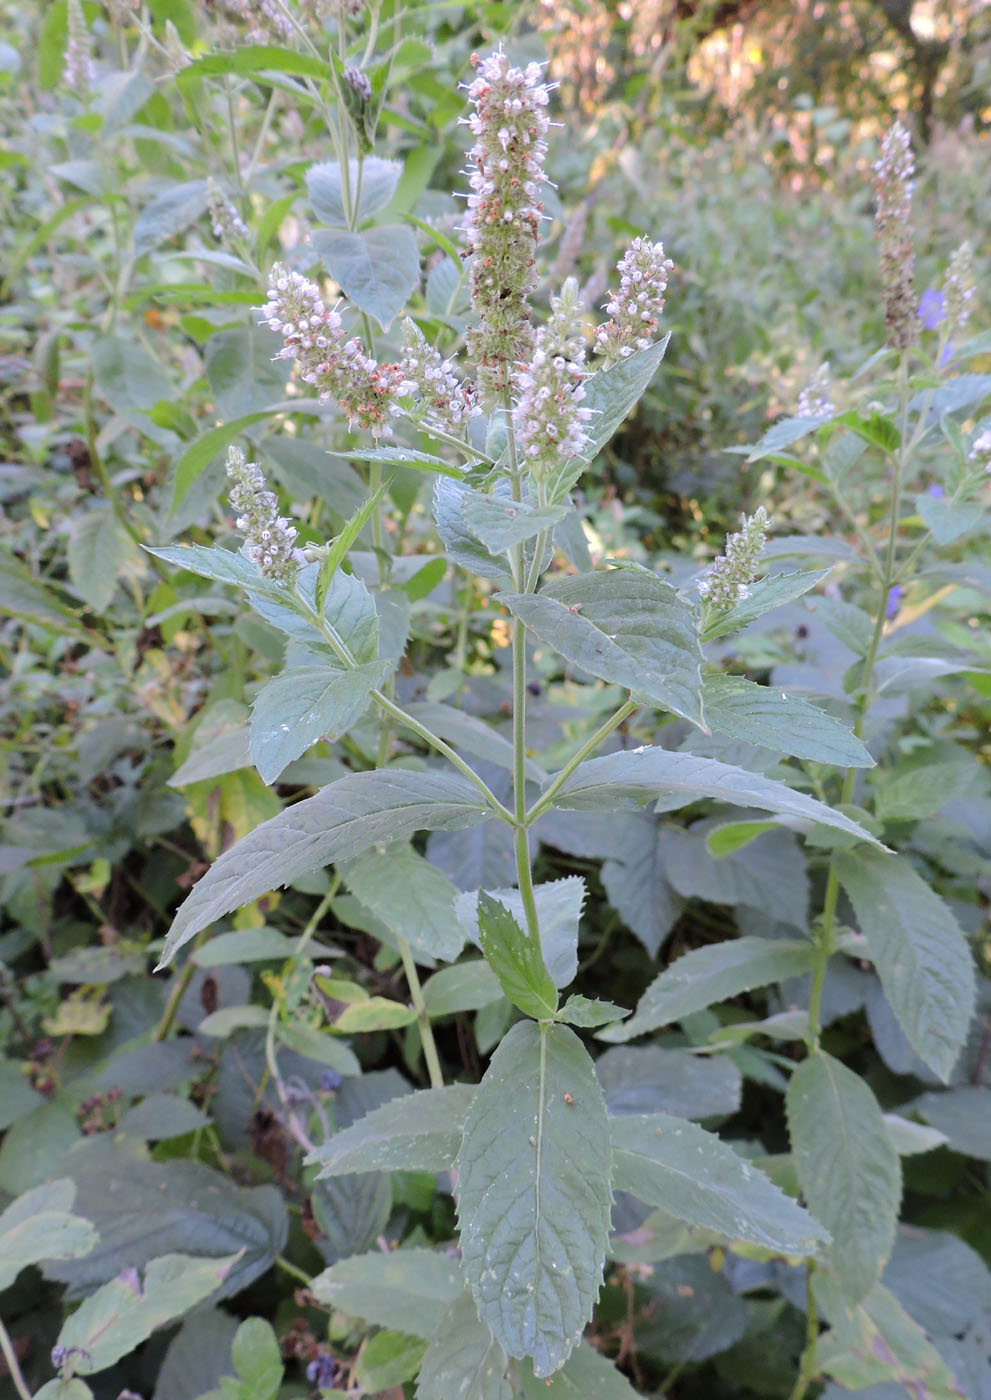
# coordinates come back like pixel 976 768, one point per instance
pixel 161 1225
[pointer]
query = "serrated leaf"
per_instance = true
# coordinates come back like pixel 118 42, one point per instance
pixel 376 179
pixel 303 704
pixel 713 974
pixel 411 897
pixel 698 1178
pixel 948 520
pixel 500 523
pixel 784 434
pixel 467 986
pixel 847 1166
pixel 419 1132
pixel 471 734
pixel 338 823
pixel 559 907
pixel 377 269
pixel 516 960
pixel 962 1114
pixel 877 430
pixel 242 374
pixel 920 952
pixel 626 626
pixel 586 1375
pixel 257 1358
pixel 534 1193
pixel 223 566
pixel 649 1079
pixel 768 717
pixel 588 1012
pixel 408 1289
pixel 463 1361
pixel 39 1225
pixel 630 778
pixel 763 597
pixel 98 549
pixel 112 1321
pixel 636 883
pixel 461 545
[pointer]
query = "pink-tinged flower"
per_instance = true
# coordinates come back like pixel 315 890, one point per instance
pixel 447 400
pixel 893 173
pixel 981 450
pixel 509 124
pixel 814 400
pixel 78 72
pixel 635 309
pixel 312 335
pixel 269 538
pixel 266 19
pixel 549 419
pixel 728 581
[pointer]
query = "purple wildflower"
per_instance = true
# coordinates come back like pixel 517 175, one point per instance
pixel 935 490
pixel 322 1369
pixel 894 599
pixel 932 308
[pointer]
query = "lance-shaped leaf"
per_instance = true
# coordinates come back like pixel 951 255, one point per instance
pixel 468 732
pixel 711 974
pixel 764 715
pixel 39 1225
pixel 338 823
pixel 847 1167
pixel 295 709
pixel 463 1359
pixel 618 781
pixel 534 1193
pixel 515 959
pixel 698 1178
pixel 408 1290
pixel 411 897
pixel 559 908
pixel 919 950
pixel 418 1132
pixel 764 597
pixel 500 523
pixel 626 626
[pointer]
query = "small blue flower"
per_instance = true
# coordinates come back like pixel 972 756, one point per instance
pixel 321 1370
pixel 947 355
pixel 935 490
pixel 932 308
pixel 330 1080
pixel 894 598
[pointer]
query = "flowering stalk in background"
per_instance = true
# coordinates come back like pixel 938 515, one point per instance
pixel 338 369
pixel 814 400
pixel 635 309
pixel 549 418
pixel 78 72
pixel 509 124
pixel 226 222
pixel 269 538
pixel 959 290
pixel 893 173
pixel 728 581
pixel 448 400
pixel 981 450
pixel 266 19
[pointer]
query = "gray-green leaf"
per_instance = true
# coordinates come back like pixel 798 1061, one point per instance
pixel 463 1362
pixel 516 960
pixel 763 715
pixel 919 950
pixel 376 269
pixel 626 626
pixel 418 1132
pixel 412 898
pixel 848 1168
pixel 301 705
pixel 38 1225
pixel 500 523
pixel 408 1290
pixel 534 1193
pixel 698 1178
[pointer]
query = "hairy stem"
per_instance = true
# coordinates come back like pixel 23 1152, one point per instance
pixel 422 1017
pixel 546 799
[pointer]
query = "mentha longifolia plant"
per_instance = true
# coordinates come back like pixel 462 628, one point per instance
pixel 533 1151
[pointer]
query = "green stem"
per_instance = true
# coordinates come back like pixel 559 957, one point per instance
pixel 289 1268
pixel 178 989
pixel 546 798
pixel 807 1368
pixel 271 1062
pixel 13 1365
pixel 422 1016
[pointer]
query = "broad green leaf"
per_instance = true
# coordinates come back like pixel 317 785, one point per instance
pixel 877 1343
pixel 162 1116
pixel 254 59
pixel 847 1166
pixel 698 1178
pixel 169 213
pixel 223 1023
pixel 325 1049
pixel 375 1014
pixel 559 908
pixel 419 1132
pixel 467 986
pixel 198 456
pixel 769 875
pixel 98 549
pixel 388 1359
pixel 471 734
pixel 500 523
pixel 27 597
pixel 516 960
pixel 920 791
pixel 619 781
pixel 71 1389
pixel 920 952
pixel 35 1146
pixel 38 1225
pixel 17 1097
pixel 534 1193
pixel 350 610
pixel 635 879
pixel 338 823
pixel 588 1012
pixel 463 1359
pixel 948 520
pixel 963 1114
pixel 850 624
pixel 224 752
pixel 377 269
pixel 242 374
pixel 112 1321
pixel 303 704
pixel 910 1138
pixel 763 597
pixel 611 394
pixel 763 715
pixel 223 566
pixel 197 1356
pixel 650 1079
pixel 586 1375
pixel 408 1289
pixel 131 381
pixel 784 434
pixel 876 430
pixel 374 179
pixel 410 896
pixel 461 545
pixel 246 945
pixel 730 837
pixel 713 974
pixel 257 1358
pixel 626 626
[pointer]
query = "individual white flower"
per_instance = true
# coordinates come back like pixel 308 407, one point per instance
pixel 814 400
pixel 635 309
